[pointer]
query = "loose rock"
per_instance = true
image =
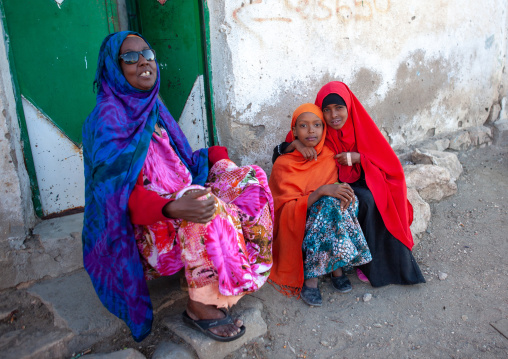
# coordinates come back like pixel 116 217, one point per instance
pixel 367 297
pixel 442 276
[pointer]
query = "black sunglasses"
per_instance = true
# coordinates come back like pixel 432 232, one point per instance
pixel 132 57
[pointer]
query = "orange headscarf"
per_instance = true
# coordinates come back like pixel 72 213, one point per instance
pixel 292 180
pixel 383 172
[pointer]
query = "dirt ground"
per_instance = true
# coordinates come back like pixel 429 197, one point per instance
pixel 466 242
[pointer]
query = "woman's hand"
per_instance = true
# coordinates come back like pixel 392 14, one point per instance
pixel 342 191
pixel 342 158
pixel 309 153
pixel 190 208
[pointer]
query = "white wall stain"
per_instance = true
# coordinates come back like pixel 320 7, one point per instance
pixel 86 63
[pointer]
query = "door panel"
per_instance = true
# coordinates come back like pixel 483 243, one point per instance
pixel 174 31
pixel 55 48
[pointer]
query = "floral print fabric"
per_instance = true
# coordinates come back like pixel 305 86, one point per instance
pixel 333 238
pixel 233 250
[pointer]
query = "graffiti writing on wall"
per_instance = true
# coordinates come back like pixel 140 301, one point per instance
pixel 316 10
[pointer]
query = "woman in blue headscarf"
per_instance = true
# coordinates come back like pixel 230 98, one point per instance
pixel 153 206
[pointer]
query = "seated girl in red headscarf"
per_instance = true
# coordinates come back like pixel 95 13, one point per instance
pixel 316 230
pixel 367 162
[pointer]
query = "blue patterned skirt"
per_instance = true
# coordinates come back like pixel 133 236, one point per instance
pixel 333 238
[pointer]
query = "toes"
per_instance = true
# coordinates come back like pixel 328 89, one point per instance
pixel 226 330
pixel 239 323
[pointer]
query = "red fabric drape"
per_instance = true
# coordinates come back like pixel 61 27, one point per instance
pixel 382 168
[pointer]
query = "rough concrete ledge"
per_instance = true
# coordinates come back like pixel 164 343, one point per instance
pixel 54 249
pixel 76 307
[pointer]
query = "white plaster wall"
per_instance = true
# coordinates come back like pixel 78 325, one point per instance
pixel 16 209
pixel 420 68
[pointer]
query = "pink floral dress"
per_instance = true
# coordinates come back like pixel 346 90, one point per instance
pixel 225 258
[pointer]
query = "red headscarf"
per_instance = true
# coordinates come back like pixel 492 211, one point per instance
pixel 292 181
pixel 383 171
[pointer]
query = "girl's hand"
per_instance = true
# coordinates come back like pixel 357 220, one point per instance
pixel 342 191
pixel 342 158
pixel 190 208
pixel 309 153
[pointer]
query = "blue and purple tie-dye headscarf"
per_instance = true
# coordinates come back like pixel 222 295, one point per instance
pixel 116 136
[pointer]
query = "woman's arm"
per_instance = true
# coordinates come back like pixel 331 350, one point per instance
pixel 309 153
pixel 342 158
pixel 147 207
pixel 189 207
pixel 342 191
pixel 280 150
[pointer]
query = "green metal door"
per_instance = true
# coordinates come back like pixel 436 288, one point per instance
pixel 53 47
pixel 178 32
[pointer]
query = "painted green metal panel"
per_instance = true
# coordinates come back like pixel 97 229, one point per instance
pixel 174 31
pixel 210 109
pixel 55 49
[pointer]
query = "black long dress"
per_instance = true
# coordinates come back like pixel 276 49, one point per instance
pixel 392 262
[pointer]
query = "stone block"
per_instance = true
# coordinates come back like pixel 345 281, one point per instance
pixel 480 135
pixel 433 183
pixel 121 354
pixel 206 348
pixel 500 133
pixel 54 250
pixel 23 344
pixel 460 141
pixel 447 160
pixel 494 113
pixel 436 144
pixel 421 212
pixel 76 307
pixel 168 350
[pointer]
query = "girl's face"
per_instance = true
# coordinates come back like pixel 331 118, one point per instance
pixel 335 115
pixel 308 129
pixel 142 74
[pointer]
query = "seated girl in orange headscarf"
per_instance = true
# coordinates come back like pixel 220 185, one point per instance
pixel 316 230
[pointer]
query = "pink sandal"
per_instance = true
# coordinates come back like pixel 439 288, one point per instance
pixel 361 276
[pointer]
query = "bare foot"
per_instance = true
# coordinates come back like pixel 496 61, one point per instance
pixel 337 272
pixel 311 282
pixel 197 310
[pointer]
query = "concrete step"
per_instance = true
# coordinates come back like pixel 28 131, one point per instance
pixel 22 344
pixel 53 250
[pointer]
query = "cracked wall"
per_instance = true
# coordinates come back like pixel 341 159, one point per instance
pixel 16 208
pixel 421 69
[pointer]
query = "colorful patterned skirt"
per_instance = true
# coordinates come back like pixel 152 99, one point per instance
pixel 227 257
pixel 333 238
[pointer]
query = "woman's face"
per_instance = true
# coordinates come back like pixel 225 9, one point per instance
pixel 143 74
pixel 335 115
pixel 308 129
